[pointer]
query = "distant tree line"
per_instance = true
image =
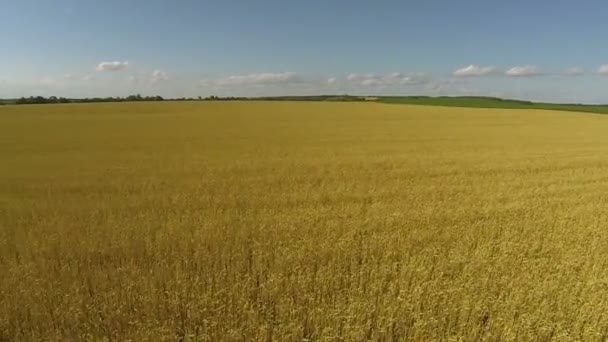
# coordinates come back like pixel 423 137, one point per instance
pixel 41 100
pixel 54 99
pixel 138 97
pixel 130 98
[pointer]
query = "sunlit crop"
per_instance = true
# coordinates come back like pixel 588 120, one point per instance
pixel 240 221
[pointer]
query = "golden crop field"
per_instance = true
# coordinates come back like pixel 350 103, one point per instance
pixel 287 221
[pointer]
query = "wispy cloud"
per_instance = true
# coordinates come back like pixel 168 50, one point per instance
pixel 332 81
pixel 574 71
pixel 394 79
pixel 352 77
pixel 603 69
pixel 112 66
pixel 474 70
pixel 262 79
pixel 159 76
pixel 523 71
pixel 75 77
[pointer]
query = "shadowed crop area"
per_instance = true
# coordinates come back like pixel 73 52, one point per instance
pixel 301 221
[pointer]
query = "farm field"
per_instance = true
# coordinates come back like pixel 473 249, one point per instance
pixel 302 221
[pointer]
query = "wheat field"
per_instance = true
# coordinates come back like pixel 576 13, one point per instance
pixel 287 221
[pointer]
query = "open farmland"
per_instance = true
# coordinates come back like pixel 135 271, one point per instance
pixel 290 221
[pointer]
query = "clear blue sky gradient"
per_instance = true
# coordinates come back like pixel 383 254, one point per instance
pixel 53 47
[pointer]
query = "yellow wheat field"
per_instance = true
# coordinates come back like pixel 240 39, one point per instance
pixel 247 221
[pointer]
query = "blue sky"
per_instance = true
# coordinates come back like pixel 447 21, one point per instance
pixel 540 50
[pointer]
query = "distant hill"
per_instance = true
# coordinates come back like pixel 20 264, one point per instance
pixel 491 102
pixel 450 101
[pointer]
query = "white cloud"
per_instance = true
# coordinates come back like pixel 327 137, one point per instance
pixel 574 71
pixel 523 71
pixel 133 79
pixel 159 76
pixel 352 77
pixel 371 82
pixel 603 69
pixel 87 77
pixel 332 81
pixel 112 66
pixel 69 76
pixel 474 70
pixel 397 78
pixel 262 79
